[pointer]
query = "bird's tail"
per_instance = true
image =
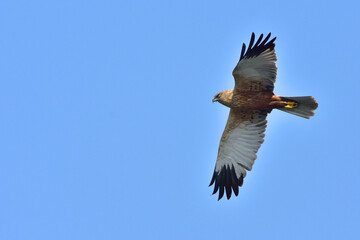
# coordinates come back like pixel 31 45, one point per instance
pixel 300 106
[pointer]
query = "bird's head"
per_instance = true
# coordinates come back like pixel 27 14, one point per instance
pixel 224 97
pixel 217 97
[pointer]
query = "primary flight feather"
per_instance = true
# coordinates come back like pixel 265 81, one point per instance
pixel 250 101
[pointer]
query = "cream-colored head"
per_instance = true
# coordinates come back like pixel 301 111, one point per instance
pixel 224 97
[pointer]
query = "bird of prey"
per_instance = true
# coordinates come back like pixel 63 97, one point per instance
pixel 250 101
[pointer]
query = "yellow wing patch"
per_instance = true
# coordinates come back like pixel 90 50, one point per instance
pixel 291 104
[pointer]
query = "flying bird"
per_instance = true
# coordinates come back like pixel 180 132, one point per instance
pixel 250 101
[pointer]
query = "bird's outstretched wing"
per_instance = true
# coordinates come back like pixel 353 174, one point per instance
pixel 242 137
pixel 256 69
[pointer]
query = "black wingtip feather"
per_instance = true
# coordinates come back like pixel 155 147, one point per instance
pixel 213 179
pixel 259 40
pixel 259 47
pixel 266 38
pixel 221 192
pixel 241 180
pixel 272 41
pixel 216 187
pixel 234 181
pixel 226 181
pixel 252 39
pixel 243 50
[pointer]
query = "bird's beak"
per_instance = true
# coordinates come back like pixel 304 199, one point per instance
pixel 214 100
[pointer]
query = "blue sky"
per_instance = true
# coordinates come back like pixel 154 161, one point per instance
pixel 108 130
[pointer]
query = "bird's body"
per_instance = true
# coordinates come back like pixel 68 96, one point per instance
pixel 250 101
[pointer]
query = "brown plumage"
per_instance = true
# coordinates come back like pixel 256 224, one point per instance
pixel 250 101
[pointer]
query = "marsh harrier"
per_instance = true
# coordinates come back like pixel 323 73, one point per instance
pixel 250 101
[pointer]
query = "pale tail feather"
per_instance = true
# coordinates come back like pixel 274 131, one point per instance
pixel 304 108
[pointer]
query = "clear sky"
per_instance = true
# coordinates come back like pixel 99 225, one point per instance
pixel 108 130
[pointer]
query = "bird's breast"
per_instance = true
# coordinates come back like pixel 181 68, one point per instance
pixel 251 100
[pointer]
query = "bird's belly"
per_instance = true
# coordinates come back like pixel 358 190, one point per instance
pixel 252 100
